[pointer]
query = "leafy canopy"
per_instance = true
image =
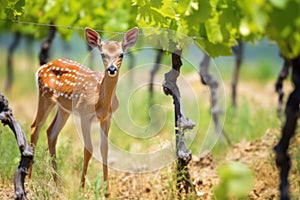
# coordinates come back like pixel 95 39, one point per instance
pixel 217 24
pixel 12 8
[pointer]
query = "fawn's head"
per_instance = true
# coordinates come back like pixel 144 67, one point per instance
pixel 111 51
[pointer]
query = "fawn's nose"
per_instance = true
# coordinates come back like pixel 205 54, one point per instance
pixel 112 71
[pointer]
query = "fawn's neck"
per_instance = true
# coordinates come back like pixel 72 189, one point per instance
pixel 106 95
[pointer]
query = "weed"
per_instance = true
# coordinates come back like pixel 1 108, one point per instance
pixel 42 184
pixel 95 188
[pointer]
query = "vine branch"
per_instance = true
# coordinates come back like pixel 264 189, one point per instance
pixel 212 83
pixel 283 74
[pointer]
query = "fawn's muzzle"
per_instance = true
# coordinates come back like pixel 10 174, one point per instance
pixel 112 71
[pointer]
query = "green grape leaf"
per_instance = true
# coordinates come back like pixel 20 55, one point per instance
pixel 12 9
pixel 236 180
pixel 9 13
pixel 205 10
pixel 214 50
pixel 156 37
pixel 279 3
pixel 156 3
pixel 19 6
pixel 285 31
pixel 213 30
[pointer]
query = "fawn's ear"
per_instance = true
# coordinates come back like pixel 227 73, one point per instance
pixel 130 38
pixel 93 38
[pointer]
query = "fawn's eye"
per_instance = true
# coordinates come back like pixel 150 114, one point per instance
pixel 103 55
pixel 121 55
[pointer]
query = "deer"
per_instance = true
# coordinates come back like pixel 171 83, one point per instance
pixel 75 89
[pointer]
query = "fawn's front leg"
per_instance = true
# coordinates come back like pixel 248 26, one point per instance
pixel 88 147
pixel 105 125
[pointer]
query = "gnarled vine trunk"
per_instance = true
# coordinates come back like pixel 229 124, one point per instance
pixel 10 53
pixel 284 72
pixel 212 83
pixel 292 111
pixel 182 123
pixel 238 52
pixel 154 72
pixel 46 44
pixel 26 151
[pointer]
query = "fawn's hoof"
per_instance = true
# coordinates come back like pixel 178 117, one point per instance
pixel 107 195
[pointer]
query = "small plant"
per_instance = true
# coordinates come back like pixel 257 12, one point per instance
pixel 236 180
pixel 171 177
pixel 95 187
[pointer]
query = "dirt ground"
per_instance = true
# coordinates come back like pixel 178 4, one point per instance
pixel 258 155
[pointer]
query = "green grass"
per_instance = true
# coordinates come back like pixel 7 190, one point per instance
pixel 262 72
pixel 23 74
pixel 249 122
pixel 9 154
pixel 246 122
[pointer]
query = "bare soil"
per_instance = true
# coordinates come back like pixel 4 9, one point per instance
pixel 258 155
